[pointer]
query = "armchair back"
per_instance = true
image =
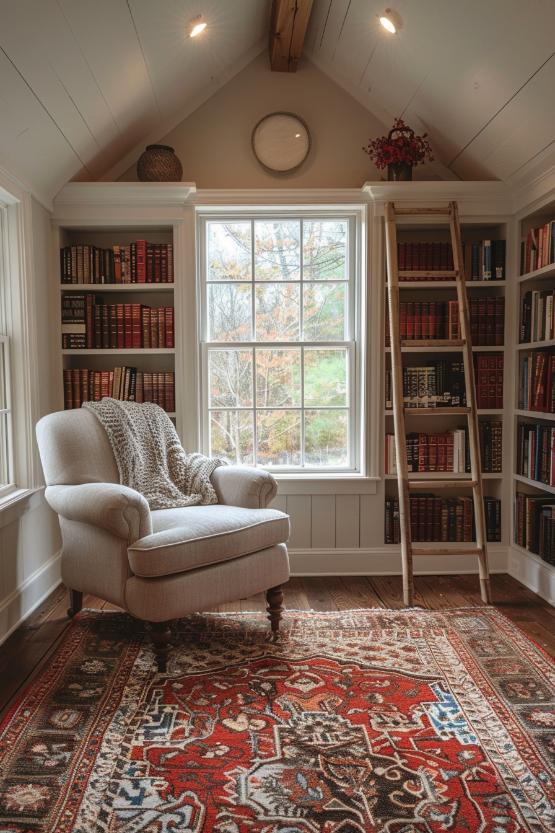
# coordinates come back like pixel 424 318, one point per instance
pixel 74 449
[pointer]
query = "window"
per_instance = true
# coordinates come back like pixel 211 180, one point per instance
pixel 279 340
pixel 6 463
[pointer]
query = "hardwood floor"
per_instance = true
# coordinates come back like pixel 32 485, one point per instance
pixel 30 643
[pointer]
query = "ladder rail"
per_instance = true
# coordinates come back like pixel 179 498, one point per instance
pixel 399 411
pixel 471 401
pixel 398 405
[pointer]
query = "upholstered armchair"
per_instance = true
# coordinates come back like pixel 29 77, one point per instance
pixel 163 564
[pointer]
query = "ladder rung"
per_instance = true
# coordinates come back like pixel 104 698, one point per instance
pixel 400 211
pixel 434 411
pixel 432 342
pixel 432 274
pixel 416 550
pixel 441 484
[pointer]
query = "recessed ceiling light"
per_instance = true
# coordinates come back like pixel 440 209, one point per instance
pixel 198 25
pixel 390 21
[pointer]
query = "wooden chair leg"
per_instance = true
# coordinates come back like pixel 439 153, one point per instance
pixel 274 597
pixel 161 638
pixel 75 603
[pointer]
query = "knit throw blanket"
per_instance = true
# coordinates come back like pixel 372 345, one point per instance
pixel 150 457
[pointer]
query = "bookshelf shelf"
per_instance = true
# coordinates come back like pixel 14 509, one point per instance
pixel 543 274
pixel 444 475
pixel 536 345
pixel 136 306
pixel 122 351
pixel 535 483
pixel 449 284
pixel 535 415
pixel 117 287
pixel 449 411
pixel 437 348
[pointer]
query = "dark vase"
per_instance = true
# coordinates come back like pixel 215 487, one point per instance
pixel 399 172
pixel 159 163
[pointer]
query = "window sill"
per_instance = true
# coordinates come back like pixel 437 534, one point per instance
pixel 14 503
pixel 326 484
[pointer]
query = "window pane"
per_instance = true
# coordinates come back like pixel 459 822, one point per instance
pixel 277 250
pixel 230 378
pixel 325 377
pixel 229 312
pixel 279 438
pixel 4 466
pixel 278 378
pixel 3 380
pixel 326 438
pixel 324 312
pixel 229 251
pixel 277 312
pixel 232 436
pixel 325 250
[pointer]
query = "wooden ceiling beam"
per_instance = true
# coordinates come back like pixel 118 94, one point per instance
pixel 289 22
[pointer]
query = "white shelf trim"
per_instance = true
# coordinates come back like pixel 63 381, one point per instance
pixel 117 287
pixel 535 483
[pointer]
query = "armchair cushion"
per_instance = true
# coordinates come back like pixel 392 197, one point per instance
pixel 117 509
pixel 191 537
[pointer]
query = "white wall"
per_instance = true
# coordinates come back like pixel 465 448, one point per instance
pixel 29 532
pixel 214 142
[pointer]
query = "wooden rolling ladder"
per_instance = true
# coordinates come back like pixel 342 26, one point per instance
pixel 447 214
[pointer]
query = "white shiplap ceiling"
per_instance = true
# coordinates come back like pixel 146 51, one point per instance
pixel 479 75
pixel 86 83
pixel 82 82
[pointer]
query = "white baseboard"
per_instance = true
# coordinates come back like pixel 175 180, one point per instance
pixel 386 561
pixel 533 573
pixel 24 599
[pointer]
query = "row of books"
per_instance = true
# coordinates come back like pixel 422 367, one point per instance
pixel 88 323
pixel 138 262
pixel 537 249
pixel 535 452
pixel 437 519
pixel 537 316
pixel 440 319
pixel 536 388
pixel 534 525
pixel 441 384
pixel 126 383
pixel 483 260
pixel 449 451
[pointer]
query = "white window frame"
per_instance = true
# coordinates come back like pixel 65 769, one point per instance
pixel 6 411
pixel 356 342
pixel 18 331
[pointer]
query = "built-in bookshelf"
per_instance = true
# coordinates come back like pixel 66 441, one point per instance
pixel 533 479
pixel 433 381
pixel 117 324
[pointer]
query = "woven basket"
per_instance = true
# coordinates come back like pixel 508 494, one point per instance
pixel 159 163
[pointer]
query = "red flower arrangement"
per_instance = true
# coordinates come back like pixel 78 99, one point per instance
pixel 405 147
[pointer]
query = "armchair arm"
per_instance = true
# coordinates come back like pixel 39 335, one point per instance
pixel 244 486
pixel 118 509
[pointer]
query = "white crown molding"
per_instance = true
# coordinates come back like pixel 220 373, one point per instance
pixel 192 104
pixel 531 195
pixel 278 196
pixel 487 197
pixel 124 193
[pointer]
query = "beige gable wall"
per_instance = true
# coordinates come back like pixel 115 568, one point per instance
pixel 214 142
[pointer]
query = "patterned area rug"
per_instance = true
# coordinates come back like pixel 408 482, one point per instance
pixel 394 721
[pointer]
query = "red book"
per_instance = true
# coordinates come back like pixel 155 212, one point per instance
pixel 145 326
pixel 120 326
pixel 150 262
pixel 161 327
pixel 169 248
pixel 157 263
pixel 136 326
pixel 410 320
pixel 170 391
pixel 170 329
pixel 141 260
pixel 127 326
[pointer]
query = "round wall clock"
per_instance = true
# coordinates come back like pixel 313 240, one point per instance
pixel 281 142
